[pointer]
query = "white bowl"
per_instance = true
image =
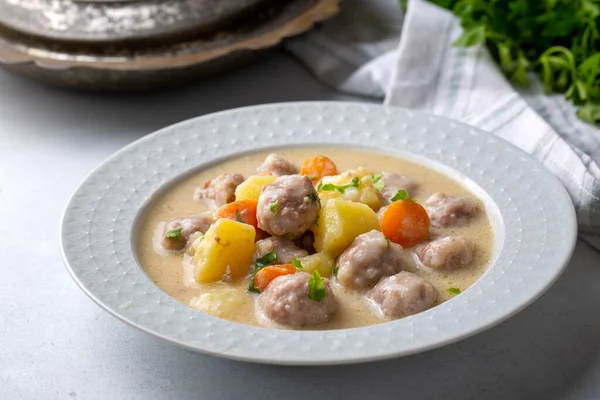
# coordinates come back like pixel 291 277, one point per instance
pixel 531 212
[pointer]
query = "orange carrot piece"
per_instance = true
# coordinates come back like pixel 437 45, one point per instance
pixel 241 211
pixel 318 167
pixel 405 222
pixel 267 274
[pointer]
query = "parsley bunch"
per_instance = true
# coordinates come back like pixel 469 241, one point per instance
pixel 558 39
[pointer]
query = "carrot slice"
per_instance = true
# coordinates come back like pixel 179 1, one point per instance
pixel 318 167
pixel 405 222
pixel 241 211
pixel 267 274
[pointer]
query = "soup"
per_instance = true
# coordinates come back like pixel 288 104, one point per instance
pixel 352 238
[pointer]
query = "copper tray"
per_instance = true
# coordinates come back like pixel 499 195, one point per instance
pixel 147 65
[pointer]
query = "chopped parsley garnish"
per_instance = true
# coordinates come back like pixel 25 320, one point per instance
pixel 261 262
pixel 297 264
pixel 558 40
pixel 313 197
pixel 328 187
pixel 317 220
pixel 174 234
pixel 454 290
pixel 316 287
pixel 401 195
pixel 288 235
pixel 274 207
pixel 335 270
pixel 388 242
pixel 267 259
pixel 238 217
pixel 376 178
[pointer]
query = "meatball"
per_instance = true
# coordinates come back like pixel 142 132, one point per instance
pixel 277 166
pixel 219 191
pixel 369 258
pixel 450 252
pixel 286 302
pixel 288 207
pixel 445 211
pixel 285 249
pixel 393 182
pixel 189 226
pixel 403 294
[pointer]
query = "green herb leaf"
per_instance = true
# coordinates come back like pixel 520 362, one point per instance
pixel 376 178
pixel 557 39
pixel 401 195
pixel 454 290
pixel 329 187
pixel 252 286
pixel 313 197
pixel 288 235
pixel 520 74
pixel 174 233
pixel 274 207
pixel 316 287
pixel 590 113
pixel 505 57
pixel 557 62
pixel 471 37
pixel 335 270
pixel 297 264
pixel 261 262
pixel 388 241
pixel 267 259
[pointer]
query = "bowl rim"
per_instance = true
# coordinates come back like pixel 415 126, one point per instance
pixel 560 232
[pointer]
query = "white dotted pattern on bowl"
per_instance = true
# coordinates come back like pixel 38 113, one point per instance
pixel 539 228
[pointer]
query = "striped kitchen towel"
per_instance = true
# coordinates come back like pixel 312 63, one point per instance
pixel 370 49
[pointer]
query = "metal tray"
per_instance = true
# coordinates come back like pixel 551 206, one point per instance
pixel 142 66
pixel 105 21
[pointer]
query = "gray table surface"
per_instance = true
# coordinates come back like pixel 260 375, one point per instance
pixel 55 343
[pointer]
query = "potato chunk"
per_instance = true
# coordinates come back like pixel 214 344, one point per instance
pixel 365 193
pixel 321 262
pixel 339 222
pixel 224 252
pixel 221 300
pixel 250 189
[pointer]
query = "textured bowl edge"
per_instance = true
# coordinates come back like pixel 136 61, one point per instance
pixel 571 230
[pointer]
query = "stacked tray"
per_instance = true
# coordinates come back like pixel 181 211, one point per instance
pixel 143 44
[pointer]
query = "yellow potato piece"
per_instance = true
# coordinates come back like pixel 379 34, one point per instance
pixel 321 262
pixel 250 189
pixel 339 222
pixel 365 192
pixel 221 300
pixel 226 249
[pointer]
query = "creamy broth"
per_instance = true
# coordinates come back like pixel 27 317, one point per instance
pixel 172 271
